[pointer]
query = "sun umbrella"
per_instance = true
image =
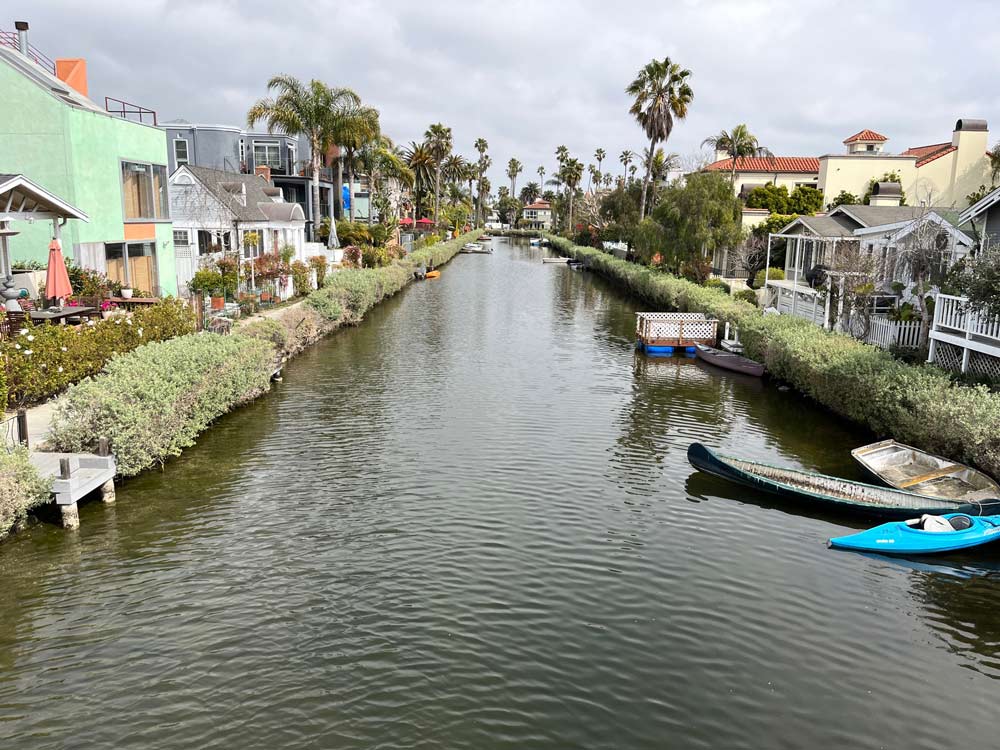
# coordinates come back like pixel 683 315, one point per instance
pixel 57 284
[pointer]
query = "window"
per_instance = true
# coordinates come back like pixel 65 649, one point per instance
pixel 213 242
pixel 180 151
pixel 252 245
pixel 139 272
pixel 292 158
pixel 144 192
pixel 182 237
pixel 267 154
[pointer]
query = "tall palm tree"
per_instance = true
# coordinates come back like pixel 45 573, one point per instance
pixel 608 179
pixel 562 154
pixel 530 193
pixel 438 139
pixel 661 94
pixel 572 172
pixel 594 176
pixel 541 175
pixel 485 162
pixel 739 143
pixel 514 168
pixel 311 110
pixel 454 168
pixel 359 127
pixel 626 158
pixel 631 172
pixel 381 162
pixel 421 162
pixel 481 146
pixel 599 156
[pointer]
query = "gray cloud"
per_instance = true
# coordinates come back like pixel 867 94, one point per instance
pixel 529 76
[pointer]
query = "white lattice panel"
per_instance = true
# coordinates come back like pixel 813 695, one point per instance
pixel 948 356
pixel 675 327
pixel 984 365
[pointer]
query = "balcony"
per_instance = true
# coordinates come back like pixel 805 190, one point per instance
pixel 963 339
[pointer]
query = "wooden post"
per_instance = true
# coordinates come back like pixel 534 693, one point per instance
pixel 22 427
pixel 64 471
pixel 103 447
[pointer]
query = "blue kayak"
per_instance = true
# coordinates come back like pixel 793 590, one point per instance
pixel 924 536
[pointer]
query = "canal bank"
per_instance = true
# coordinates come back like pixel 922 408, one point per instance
pixel 468 522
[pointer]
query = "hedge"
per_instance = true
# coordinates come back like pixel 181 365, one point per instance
pixel 21 488
pixel 916 404
pixel 42 360
pixel 152 402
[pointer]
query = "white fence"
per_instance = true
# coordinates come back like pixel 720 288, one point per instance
pixel 963 339
pixel 888 334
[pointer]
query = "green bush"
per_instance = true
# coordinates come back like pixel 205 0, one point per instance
pixel 152 402
pixel 773 274
pixel 21 488
pixel 374 256
pixel 353 233
pixel 42 360
pixel 919 405
pixel 718 284
pixel 267 329
pixel 747 295
pixel 318 264
pixel 300 278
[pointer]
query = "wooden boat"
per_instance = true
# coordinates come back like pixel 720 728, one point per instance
pixel 473 248
pixel 555 259
pixel 907 468
pixel 833 493
pixel 535 242
pixel 433 275
pixel 923 536
pixel 728 360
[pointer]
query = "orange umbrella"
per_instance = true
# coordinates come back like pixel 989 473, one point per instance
pixel 56 277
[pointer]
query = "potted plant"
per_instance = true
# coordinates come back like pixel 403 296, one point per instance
pixel 127 292
pixel 205 281
pixel 108 308
pixel 218 298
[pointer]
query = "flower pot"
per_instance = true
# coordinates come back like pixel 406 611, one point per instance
pixel 265 296
pixel 127 293
pixel 218 303
pixel 105 314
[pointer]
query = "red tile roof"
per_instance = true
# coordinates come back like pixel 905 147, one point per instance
pixel 766 164
pixel 926 154
pixel 540 204
pixel 866 135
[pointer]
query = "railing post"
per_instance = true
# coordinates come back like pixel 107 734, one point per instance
pixel 22 427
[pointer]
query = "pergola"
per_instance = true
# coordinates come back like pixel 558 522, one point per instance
pixel 816 247
pixel 23 200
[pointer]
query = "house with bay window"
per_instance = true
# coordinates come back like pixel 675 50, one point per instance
pixel 112 165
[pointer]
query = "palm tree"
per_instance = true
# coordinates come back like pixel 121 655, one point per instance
pixel 661 93
pixel 631 172
pixel 358 128
pixel 530 193
pixel 420 160
pixel 562 154
pixel 599 156
pixel 438 139
pixel 481 146
pixel 311 110
pixel 514 168
pixel 594 176
pixel 626 158
pixel 485 162
pixel 739 143
pixel 454 168
pixel 541 175
pixel 380 160
pixel 572 172
pixel 608 179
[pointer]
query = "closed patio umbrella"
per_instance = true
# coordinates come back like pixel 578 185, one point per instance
pixel 57 284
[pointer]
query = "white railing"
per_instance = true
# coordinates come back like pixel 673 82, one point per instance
pixel 953 315
pixel 887 334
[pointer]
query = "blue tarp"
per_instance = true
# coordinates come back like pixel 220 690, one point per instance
pixel 346 197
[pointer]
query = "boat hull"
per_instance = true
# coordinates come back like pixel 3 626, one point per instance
pixel 729 361
pixel 831 493
pixel 899 538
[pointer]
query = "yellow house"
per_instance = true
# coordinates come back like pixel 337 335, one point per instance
pixel 939 174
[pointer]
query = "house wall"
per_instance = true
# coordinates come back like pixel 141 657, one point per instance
pixel 76 154
pixel 213 147
pixel 852 173
pixel 790 180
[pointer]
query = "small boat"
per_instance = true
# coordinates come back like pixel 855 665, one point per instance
pixel 486 238
pixel 535 242
pixel 473 248
pixel 433 275
pixel 834 493
pixel 555 259
pixel 728 360
pixel 923 536
pixel 907 468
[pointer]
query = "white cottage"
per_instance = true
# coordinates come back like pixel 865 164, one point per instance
pixel 213 211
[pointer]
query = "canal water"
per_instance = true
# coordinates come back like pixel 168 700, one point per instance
pixel 469 523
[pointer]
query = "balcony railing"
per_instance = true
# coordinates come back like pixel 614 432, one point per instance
pixel 954 316
pixel 9 39
pixel 129 111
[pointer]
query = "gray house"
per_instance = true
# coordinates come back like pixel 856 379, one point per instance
pixel 232 149
pixel 982 219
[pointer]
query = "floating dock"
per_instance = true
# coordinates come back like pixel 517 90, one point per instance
pixel 663 333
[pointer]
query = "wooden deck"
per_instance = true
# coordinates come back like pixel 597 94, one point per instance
pixel 74 476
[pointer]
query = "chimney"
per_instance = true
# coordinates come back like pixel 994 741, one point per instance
pixel 886 194
pixel 264 172
pixel 73 72
pixel 22 36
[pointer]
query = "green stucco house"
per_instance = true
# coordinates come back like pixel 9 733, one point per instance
pixel 113 169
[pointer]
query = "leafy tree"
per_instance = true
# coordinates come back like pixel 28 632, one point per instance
pixel 773 224
pixel 621 206
pixel 650 242
pixel 978 278
pixel 698 218
pixel 661 94
pixel 508 209
pixel 843 198
pixel 773 197
pixel 438 139
pixel 805 200
pixel 738 143
pixel 887 177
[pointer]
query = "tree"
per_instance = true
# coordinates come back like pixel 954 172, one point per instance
pixel 508 209
pixel 739 143
pixel 626 157
pixel 698 218
pixel 593 175
pixel 922 254
pixel 514 168
pixel 529 193
pixel 311 110
pixel 887 177
pixel 438 139
pixel 562 154
pixel 599 156
pixel 541 175
pixel 805 200
pixel 843 198
pixel 481 147
pixel 421 162
pixel 978 278
pixel 650 242
pixel 358 127
pixel 661 94
pixel 773 197
pixel 572 173
pixel 380 160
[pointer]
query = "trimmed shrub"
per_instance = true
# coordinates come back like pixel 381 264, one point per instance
pixel 300 278
pixel 21 488
pixel 152 402
pixel 318 263
pixel 920 405
pixel 719 284
pixel 747 295
pixel 267 329
pixel 773 274
pixel 42 360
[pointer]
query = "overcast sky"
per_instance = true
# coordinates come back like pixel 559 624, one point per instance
pixel 528 76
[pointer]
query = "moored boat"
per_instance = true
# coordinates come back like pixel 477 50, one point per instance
pixel 535 242
pixel 555 259
pixel 833 493
pixel 907 468
pixel 922 536
pixel 728 360
pixel 433 275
